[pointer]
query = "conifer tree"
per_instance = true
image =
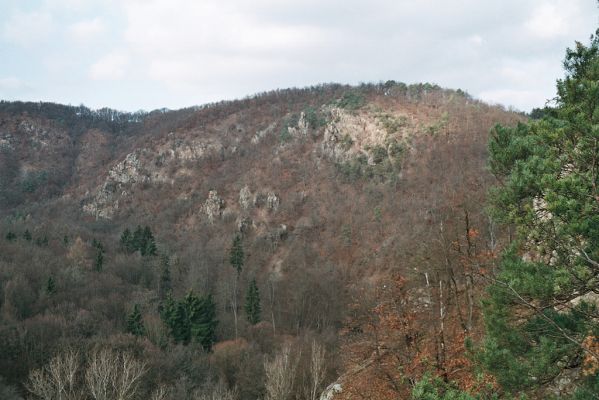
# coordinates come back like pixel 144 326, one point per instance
pixel 191 318
pixel 236 256
pixel 204 326
pixel 537 319
pixel 165 283
pixel 137 241
pixel 99 260
pixel 148 244
pixel 252 303
pixel 135 324
pixel 50 286
pixel 10 236
pixel 126 241
pixel 27 235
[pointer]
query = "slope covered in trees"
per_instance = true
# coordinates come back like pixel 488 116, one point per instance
pixel 262 248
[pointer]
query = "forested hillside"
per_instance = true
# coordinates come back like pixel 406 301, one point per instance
pixel 331 241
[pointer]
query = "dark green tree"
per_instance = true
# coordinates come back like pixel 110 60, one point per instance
pixel 99 260
pixel 126 241
pixel 191 318
pixel 27 235
pixel 50 286
pixel 252 303
pixel 148 243
pixel 137 241
pixel 135 325
pixel 236 256
pixel 165 282
pixel 10 236
pixel 539 315
pixel 203 327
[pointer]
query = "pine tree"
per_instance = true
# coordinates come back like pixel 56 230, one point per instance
pixel 165 283
pixel 137 241
pixel 252 303
pixel 191 318
pixel 127 241
pixel 50 286
pixel 99 260
pixel 536 318
pixel 204 325
pixel 148 244
pixel 27 235
pixel 236 256
pixel 10 236
pixel 135 324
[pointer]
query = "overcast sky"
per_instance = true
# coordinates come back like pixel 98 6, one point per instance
pixel 146 54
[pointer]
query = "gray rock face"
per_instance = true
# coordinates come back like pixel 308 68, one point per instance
pixel 330 392
pixel 244 224
pixel 213 206
pixel 128 171
pixel 261 134
pixel 245 198
pixel 301 129
pixel 272 201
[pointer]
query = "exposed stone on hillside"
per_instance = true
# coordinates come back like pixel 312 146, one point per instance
pixel 213 206
pixel 272 201
pixel 6 141
pixel 128 171
pixel 262 133
pixel 244 224
pixel 104 204
pixel 149 165
pixel 330 392
pixel 245 197
pixel 301 129
pixel 348 135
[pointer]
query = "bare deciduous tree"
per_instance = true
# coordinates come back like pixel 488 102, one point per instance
pixel 280 375
pixel 317 371
pixel 111 375
pixel 56 380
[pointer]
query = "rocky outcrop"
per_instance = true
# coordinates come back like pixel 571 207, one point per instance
pixel 245 198
pixel 272 201
pixel 257 138
pixel 213 206
pixel 301 129
pixel 151 166
pixel 330 392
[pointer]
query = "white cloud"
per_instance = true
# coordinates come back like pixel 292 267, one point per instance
pixel 112 66
pixel 476 40
pixel 84 31
pixel 11 83
pixel 553 19
pixel 28 28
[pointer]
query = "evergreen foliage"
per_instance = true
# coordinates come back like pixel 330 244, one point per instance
pixel 135 325
pixel 27 235
pixel 165 282
pixel 99 256
pixel 11 236
pixel 252 303
pixel 190 319
pixel 50 286
pixel 142 240
pixel 538 321
pixel 236 256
